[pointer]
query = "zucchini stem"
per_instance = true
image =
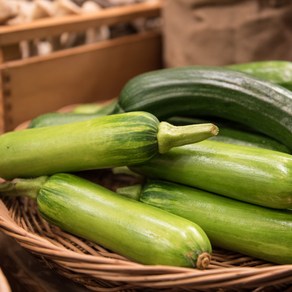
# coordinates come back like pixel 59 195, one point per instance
pixel 22 187
pixel 132 192
pixel 125 170
pixel 170 136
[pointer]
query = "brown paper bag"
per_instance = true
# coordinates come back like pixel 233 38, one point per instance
pixel 220 32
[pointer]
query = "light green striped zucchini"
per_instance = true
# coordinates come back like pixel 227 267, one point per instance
pixel 232 133
pixel 230 224
pixel 104 107
pixel 114 140
pixel 254 175
pixel 80 113
pixel 58 118
pixel 139 232
pixel 276 71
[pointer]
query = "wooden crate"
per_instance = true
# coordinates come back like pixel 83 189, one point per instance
pixel 86 73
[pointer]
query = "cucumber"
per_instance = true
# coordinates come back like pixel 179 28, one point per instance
pixel 254 175
pixel 279 72
pixel 104 142
pixel 230 224
pixel 79 113
pixel 215 92
pixel 234 134
pixel 139 232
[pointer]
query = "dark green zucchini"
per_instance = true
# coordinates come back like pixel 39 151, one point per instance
pixel 215 92
pixel 79 113
pixel 255 175
pixel 104 142
pixel 235 134
pixel 245 228
pixel 139 232
pixel 278 72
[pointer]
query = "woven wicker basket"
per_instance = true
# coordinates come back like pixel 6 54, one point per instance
pixel 99 269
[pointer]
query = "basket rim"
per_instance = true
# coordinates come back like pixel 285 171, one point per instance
pixel 139 275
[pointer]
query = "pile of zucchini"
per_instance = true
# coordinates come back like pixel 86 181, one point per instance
pixel 200 189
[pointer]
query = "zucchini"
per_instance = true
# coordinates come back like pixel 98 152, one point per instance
pixel 230 224
pixel 215 92
pixel 139 232
pixel 254 175
pixel 58 118
pixel 79 113
pixel 104 142
pixel 279 72
pixel 105 107
pixel 233 134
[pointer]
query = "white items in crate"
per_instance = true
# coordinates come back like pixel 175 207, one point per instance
pixel 19 12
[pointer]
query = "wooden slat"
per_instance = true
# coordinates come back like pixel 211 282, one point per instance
pixel 9 52
pixel 83 74
pixel 54 26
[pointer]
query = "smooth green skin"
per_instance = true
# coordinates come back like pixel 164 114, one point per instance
pixel 81 113
pixel 279 72
pixel 249 174
pixel 234 135
pixel 214 92
pixel 109 141
pixel 56 118
pixel 139 232
pixel 98 107
pixel 249 229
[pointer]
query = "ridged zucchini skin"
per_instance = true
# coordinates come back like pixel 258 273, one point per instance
pixel 275 71
pixel 246 228
pixel 235 134
pixel 215 92
pixel 254 175
pixel 104 142
pixel 139 232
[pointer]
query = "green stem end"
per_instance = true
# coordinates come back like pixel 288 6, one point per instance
pixel 132 192
pixel 170 136
pixel 22 187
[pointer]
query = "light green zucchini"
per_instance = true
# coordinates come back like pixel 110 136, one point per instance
pixel 80 113
pixel 276 71
pixel 255 175
pixel 139 232
pixel 104 142
pixel 105 107
pixel 232 133
pixel 230 224
pixel 58 118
